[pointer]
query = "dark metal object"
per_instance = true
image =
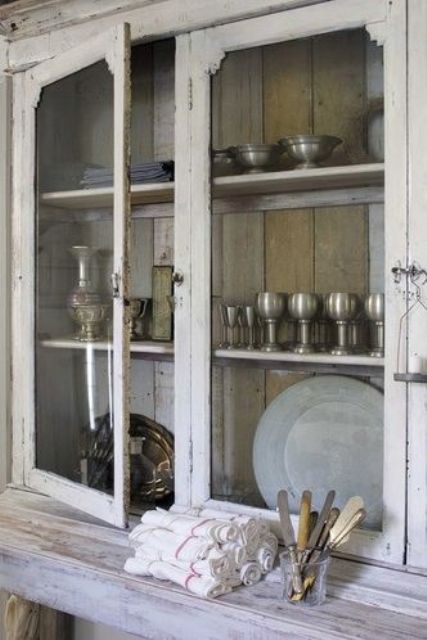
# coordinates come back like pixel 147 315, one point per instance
pixel 151 458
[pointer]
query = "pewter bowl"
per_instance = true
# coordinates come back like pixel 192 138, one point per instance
pixel 224 162
pixel 256 158
pixel 309 150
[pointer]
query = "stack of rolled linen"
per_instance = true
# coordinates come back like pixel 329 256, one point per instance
pixel 208 554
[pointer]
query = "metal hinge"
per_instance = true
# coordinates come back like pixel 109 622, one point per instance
pixel 190 94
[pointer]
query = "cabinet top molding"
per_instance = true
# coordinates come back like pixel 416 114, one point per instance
pixel 25 19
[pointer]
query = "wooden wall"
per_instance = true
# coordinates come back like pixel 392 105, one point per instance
pixel 318 85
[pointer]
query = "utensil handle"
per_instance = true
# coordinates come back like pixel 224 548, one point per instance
pixel 296 571
pixel 304 521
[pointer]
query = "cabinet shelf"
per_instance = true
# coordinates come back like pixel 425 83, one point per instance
pixel 147 348
pixel 274 182
pixel 316 362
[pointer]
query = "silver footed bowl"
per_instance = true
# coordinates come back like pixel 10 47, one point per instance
pixel 256 158
pixel 342 306
pixel 303 306
pixel 374 307
pixel 309 150
pixel 270 305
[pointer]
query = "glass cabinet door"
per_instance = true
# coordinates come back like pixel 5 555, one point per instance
pixel 302 313
pixel 102 433
pixel 76 446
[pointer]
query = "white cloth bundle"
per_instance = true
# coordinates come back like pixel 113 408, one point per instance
pixel 204 586
pixel 219 530
pixel 250 573
pixel 170 545
pixel 208 555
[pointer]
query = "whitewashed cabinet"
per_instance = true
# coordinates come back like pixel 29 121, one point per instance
pixel 307 69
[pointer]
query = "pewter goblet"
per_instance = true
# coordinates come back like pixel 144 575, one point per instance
pixel 138 307
pixel 342 307
pixel 374 308
pixel 323 324
pixel 303 307
pixel 270 307
pixel 249 313
pixel 241 320
pixel 232 313
pixel 224 326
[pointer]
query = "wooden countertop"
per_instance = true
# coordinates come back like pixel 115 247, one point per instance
pixel 66 560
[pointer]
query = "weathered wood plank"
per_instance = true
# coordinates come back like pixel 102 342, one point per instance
pixel 238 266
pixel 78 570
pixel 289 235
pixel 339 109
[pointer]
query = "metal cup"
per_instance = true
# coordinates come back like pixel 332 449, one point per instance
pixel 303 307
pixel 374 309
pixel 249 313
pixel 232 313
pixel 270 308
pixel 342 307
pixel 241 320
pixel 138 307
pixel 224 326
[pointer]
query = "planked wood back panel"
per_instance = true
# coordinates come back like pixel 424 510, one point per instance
pixel 317 85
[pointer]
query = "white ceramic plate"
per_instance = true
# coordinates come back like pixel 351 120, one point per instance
pixel 323 433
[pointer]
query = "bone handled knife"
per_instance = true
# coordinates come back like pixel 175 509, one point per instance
pixel 321 520
pixel 289 539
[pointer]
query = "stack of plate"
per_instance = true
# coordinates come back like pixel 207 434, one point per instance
pixel 141 173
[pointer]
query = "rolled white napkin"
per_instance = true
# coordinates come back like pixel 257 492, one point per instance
pixel 269 540
pixel 251 529
pixel 250 573
pixel 265 558
pixel 219 530
pixel 169 544
pixel 217 565
pixel 237 551
pixel 203 586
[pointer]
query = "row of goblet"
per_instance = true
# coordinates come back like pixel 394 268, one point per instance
pixel 241 317
pixel 344 309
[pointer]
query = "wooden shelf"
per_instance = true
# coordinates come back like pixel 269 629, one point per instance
pixel 315 362
pixel 148 347
pixel 344 177
pixel 321 362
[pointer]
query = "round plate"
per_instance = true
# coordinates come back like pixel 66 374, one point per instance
pixel 323 433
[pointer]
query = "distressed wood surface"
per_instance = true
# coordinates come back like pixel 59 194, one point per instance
pixel 80 566
pixel 417 479
pixel 238 274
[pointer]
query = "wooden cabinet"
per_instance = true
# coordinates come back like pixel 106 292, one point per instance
pixel 115 102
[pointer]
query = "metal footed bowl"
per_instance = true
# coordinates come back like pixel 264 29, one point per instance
pixel 309 150
pixel 256 158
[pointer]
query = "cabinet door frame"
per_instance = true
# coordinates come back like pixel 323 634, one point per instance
pixel 114 47
pixel 386 23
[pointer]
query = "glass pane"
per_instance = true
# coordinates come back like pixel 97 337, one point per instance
pixel 297 380
pixel 152 259
pixel 74 257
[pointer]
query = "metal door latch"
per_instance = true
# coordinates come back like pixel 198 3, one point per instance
pixel 115 285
